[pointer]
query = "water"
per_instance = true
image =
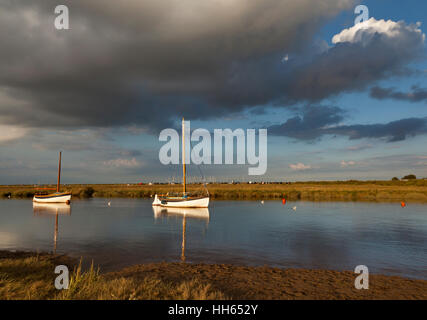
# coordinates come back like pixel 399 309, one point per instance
pixel 385 237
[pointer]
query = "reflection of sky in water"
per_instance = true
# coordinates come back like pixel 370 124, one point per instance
pixel 385 237
pixel 8 240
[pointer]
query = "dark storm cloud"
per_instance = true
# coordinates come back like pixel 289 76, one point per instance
pixel 393 131
pixel 145 63
pixel 316 122
pixel 360 56
pixel 310 125
pixel 416 94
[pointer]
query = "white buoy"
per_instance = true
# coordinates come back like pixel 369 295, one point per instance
pixel 294 208
pixel 109 203
pixel 262 201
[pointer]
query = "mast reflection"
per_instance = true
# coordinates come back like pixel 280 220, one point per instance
pixel 50 210
pixel 201 214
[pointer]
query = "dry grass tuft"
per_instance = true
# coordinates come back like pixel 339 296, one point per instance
pixel 33 278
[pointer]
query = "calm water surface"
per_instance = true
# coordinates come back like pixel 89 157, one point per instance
pixel 340 236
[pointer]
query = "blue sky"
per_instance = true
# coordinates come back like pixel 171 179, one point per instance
pixel 111 134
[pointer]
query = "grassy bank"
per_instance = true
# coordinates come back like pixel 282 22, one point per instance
pixel 415 191
pixel 31 276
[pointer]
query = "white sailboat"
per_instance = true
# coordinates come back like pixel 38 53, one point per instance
pixel 57 197
pixel 185 200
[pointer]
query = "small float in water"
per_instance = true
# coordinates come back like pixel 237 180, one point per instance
pixel 57 197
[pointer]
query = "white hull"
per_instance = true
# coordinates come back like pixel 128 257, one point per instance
pixel 192 203
pixel 53 199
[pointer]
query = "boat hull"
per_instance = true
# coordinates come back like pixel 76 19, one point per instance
pixel 53 198
pixel 185 203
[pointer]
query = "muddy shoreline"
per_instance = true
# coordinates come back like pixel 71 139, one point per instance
pixel 234 282
pixel 247 283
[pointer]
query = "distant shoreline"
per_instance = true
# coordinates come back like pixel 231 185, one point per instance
pixel 364 191
pixel 163 281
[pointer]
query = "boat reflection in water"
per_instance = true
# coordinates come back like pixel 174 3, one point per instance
pixel 201 214
pixel 52 210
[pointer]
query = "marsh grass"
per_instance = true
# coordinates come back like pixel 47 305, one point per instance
pixel 145 289
pixel 26 278
pixel 33 278
pixel 90 285
pixel 413 190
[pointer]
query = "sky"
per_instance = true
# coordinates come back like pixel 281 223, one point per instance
pixel 339 100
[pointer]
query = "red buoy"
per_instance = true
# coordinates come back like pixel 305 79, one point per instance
pixel 403 204
pixel 283 201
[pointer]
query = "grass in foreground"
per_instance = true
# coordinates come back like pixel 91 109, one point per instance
pixel 32 277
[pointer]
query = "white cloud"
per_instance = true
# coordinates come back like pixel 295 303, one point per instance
pixel 299 166
pixel 364 31
pixel 347 163
pixel 9 133
pixel 123 163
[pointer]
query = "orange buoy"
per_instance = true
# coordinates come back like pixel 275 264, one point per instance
pixel 283 201
pixel 403 204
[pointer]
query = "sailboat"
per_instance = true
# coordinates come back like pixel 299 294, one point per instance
pixel 185 200
pixel 57 197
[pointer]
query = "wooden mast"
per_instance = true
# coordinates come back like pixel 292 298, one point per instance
pixel 59 172
pixel 183 157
